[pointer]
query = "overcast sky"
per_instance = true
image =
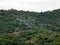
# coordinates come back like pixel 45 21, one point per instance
pixel 30 5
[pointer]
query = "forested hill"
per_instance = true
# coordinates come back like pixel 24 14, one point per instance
pixel 14 20
pixel 29 28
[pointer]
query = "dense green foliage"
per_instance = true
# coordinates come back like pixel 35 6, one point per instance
pixel 35 28
pixel 36 37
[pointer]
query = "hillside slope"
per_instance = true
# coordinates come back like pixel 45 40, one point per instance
pixel 29 28
pixel 13 20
